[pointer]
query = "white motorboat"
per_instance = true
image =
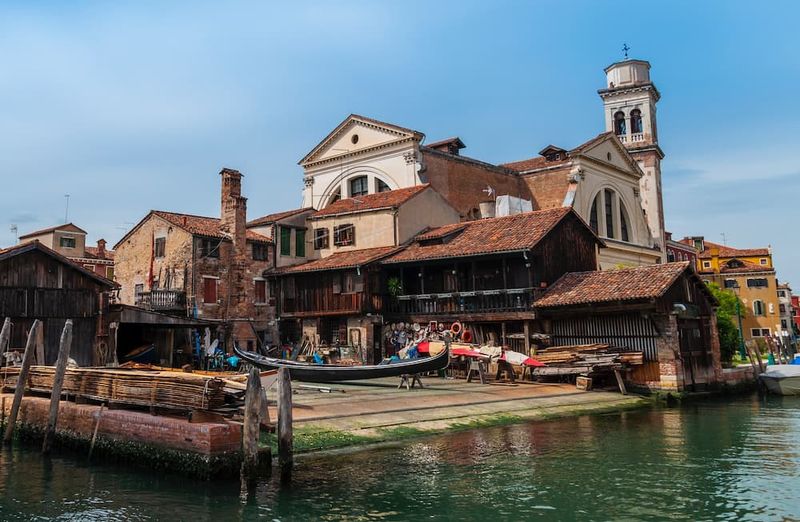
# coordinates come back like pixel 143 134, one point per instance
pixel 782 379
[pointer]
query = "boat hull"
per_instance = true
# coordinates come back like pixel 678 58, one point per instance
pixel 335 373
pixel 782 385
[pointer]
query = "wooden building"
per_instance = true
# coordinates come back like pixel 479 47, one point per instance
pixel 666 311
pixel 38 283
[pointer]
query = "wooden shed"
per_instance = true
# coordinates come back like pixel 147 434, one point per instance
pixel 38 283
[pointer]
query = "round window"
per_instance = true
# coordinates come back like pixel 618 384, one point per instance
pixel 354 139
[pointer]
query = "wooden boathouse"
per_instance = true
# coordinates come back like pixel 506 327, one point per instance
pixel 39 283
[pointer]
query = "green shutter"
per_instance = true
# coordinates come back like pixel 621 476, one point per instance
pixel 300 243
pixel 286 241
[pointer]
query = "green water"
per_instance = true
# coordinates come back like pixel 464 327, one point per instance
pixel 711 460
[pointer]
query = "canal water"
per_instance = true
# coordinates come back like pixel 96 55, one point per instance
pixel 713 460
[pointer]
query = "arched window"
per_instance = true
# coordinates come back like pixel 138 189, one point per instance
pixel 336 196
pixel 758 307
pixel 619 124
pixel 608 216
pixel 359 186
pixel 381 186
pixel 636 121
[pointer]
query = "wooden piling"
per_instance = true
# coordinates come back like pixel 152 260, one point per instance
pixel 285 457
pixel 58 382
pixel 5 335
pixel 251 428
pixel 96 428
pixel 27 358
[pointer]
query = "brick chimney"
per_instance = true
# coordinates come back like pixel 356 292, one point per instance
pixel 101 248
pixel 234 209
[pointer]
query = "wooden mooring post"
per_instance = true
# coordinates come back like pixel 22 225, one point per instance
pixel 58 383
pixel 5 335
pixel 285 456
pixel 27 358
pixel 254 400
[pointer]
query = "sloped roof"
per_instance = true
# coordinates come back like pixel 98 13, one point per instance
pixel 277 216
pixel 377 201
pixel 726 251
pixel 23 248
pixel 195 225
pixel 541 162
pixel 52 229
pixel 744 266
pixel 93 252
pixel 627 284
pixel 339 260
pixel 484 236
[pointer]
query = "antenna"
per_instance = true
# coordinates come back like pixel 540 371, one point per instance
pixel 14 231
pixel 66 209
pixel 724 239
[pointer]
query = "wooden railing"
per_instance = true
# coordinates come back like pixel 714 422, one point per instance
pixel 162 300
pixel 322 302
pixel 483 301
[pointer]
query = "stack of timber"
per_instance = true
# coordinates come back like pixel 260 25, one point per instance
pixel 584 359
pixel 169 390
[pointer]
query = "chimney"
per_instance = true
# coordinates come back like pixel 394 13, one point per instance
pixel 101 248
pixel 233 216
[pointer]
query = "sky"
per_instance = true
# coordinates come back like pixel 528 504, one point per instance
pixel 132 106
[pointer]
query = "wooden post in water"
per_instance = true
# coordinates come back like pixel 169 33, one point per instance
pixel 285 458
pixel 251 427
pixel 58 382
pixel 5 335
pixel 27 358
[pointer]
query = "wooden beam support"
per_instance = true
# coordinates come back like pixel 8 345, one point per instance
pixel 27 359
pixel 285 451
pixel 251 430
pixel 58 383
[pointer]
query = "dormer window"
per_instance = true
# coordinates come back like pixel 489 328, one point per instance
pixel 636 121
pixel 620 128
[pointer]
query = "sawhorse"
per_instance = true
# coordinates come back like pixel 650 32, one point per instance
pixel 409 380
pixel 478 367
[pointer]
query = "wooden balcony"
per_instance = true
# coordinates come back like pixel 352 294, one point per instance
pixel 320 303
pixel 162 300
pixel 465 304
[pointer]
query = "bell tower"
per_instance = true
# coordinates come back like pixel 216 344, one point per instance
pixel 629 103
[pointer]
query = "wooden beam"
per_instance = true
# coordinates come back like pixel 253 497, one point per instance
pixel 251 428
pixel 5 336
pixel 58 383
pixel 285 451
pixel 526 329
pixel 27 359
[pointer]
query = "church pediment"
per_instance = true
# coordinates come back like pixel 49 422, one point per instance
pixel 356 134
pixel 606 148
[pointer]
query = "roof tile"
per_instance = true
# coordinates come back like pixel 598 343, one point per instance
pixel 204 226
pixel 340 260
pixel 277 216
pixel 377 201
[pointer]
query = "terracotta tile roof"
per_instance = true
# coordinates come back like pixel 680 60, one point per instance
pixel 726 251
pixel 51 229
pixel 277 216
pixel 339 260
pixel 540 162
pixel 627 284
pixel 484 236
pixel 377 201
pixel 204 226
pixel 92 252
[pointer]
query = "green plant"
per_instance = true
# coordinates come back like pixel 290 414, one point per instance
pixel 727 321
pixel 395 286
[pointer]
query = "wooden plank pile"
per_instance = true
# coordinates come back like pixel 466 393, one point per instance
pixel 170 390
pixel 583 359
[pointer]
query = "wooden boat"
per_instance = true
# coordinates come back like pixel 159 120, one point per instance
pixel 782 379
pixel 309 372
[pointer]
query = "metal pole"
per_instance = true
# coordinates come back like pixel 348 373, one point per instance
pixel 742 352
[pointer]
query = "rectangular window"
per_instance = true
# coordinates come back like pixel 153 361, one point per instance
pixel 358 187
pixel 344 235
pixel 781 293
pixel 300 243
pixel 784 324
pixel 138 290
pixel 782 308
pixel 261 291
pixel 286 241
pixel 66 242
pixel 209 247
pixel 110 272
pixel 763 261
pixel 731 283
pixel 159 246
pixel 757 283
pixel 89 267
pixel 765 332
pixel 321 238
pixel 209 290
pixel 755 332
pixel 706 264
pixel 670 256
pixel 260 252
pixel 609 214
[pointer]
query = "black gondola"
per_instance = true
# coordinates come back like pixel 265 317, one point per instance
pixel 309 372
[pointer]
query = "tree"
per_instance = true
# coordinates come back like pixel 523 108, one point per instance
pixel 727 321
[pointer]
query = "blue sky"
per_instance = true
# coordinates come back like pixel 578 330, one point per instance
pixel 128 106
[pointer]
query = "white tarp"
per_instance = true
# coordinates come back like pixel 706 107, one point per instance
pixel 509 205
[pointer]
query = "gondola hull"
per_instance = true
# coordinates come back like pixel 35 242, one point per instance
pixel 308 372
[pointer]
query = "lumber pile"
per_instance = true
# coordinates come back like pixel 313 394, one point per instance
pixel 584 358
pixel 171 390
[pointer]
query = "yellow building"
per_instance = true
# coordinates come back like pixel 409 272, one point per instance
pixel 748 272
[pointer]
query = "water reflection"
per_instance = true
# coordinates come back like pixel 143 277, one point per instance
pixel 707 461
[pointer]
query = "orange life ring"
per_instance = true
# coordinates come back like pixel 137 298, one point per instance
pixel 466 336
pixel 456 328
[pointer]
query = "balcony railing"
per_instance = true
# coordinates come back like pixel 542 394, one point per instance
pixel 481 301
pixel 162 300
pixel 639 136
